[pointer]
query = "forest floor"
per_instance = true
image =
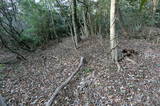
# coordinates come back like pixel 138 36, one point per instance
pixel 32 82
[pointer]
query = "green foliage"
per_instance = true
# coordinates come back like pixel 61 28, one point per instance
pixel 138 14
pixel 50 19
pixel 2 75
pixel 2 66
pixel 87 70
pixel 42 23
pixel 142 3
pixel 33 41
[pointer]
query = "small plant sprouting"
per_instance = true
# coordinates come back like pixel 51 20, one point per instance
pixel 2 66
pixel 87 70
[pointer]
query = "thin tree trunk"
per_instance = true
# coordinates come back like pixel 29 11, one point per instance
pixel 50 7
pixel 121 22
pixel 71 32
pixel 85 24
pixel 154 4
pixel 54 30
pixel 90 24
pixel 85 21
pixel 74 21
pixel 113 38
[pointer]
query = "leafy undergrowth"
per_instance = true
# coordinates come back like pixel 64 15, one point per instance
pixel 32 82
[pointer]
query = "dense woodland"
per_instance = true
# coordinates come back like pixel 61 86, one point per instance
pixel 79 52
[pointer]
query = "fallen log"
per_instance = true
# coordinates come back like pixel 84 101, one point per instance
pixel 8 59
pixel 52 98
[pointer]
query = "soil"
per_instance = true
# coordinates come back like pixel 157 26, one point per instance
pixel 32 82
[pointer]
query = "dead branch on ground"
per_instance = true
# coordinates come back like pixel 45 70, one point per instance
pixel 51 100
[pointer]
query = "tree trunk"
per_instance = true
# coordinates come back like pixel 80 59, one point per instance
pixel 52 19
pixel 74 21
pixel 85 24
pixel 121 21
pixel 113 38
pixel 90 24
pixel 155 4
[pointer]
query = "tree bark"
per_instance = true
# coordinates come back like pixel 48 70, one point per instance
pixel 113 38
pixel 85 24
pixel 74 21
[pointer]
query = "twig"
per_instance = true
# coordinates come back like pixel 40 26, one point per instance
pixel 50 101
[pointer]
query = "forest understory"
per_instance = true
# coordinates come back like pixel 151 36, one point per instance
pixel 98 83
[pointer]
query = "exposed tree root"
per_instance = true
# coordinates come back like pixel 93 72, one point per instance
pixel 132 61
pixel 120 68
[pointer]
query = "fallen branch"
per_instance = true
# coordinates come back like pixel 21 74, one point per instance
pixel 50 101
pixel 132 61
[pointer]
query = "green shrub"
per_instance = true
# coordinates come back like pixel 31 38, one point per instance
pixel 87 70
pixel 32 40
